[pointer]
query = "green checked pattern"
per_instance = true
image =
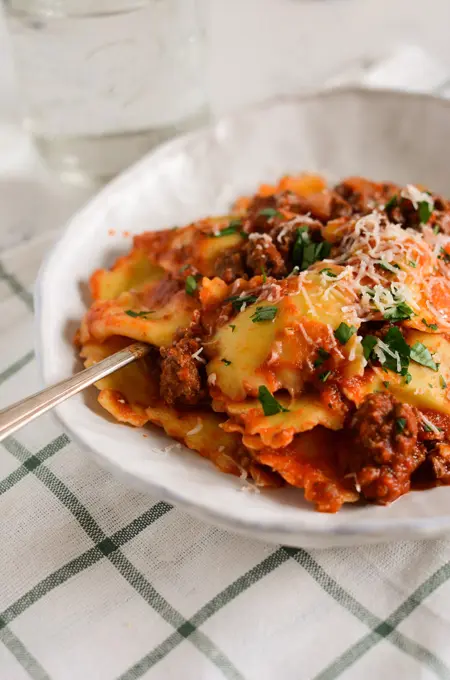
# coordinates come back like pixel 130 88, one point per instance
pixel 101 582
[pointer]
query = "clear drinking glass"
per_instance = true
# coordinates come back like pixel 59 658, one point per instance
pixel 103 81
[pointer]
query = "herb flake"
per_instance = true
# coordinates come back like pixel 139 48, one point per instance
pixel 322 356
pixel 397 344
pixel 391 203
pixel 305 252
pixel 270 405
pixel 264 314
pixel 137 315
pixel 238 301
pixel 422 355
pixel 399 313
pixel 368 344
pixel 190 285
pixel 400 424
pixel 387 266
pixel 425 210
pixel 270 212
pixel 226 362
pixel 431 326
pixel 343 333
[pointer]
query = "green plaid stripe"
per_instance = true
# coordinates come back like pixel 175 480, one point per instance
pixel 30 463
pixel 16 287
pixel 338 593
pixel 108 547
pixel 380 629
pixel 221 600
pixel 15 367
pixel 23 656
pixel 387 628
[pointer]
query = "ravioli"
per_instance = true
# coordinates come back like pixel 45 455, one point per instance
pixel 302 339
pixel 276 353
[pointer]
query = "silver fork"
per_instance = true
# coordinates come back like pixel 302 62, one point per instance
pixel 26 410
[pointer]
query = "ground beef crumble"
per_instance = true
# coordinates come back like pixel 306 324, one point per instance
pixel 384 447
pixel 182 379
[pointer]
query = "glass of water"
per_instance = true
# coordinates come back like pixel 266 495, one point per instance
pixel 103 81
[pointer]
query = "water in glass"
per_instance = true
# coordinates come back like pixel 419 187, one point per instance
pixel 103 81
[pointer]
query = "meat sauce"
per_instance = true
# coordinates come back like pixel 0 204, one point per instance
pixel 385 447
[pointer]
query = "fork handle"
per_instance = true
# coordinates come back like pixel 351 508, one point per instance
pixel 23 412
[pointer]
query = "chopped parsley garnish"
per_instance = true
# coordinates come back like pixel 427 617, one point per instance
pixel 396 345
pixel 323 377
pixel 238 302
pixel 412 264
pixel 328 272
pixel 226 231
pixel 183 268
pixel 233 327
pixel 263 272
pixel 431 326
pixel 436 229
pixel 136 315
pixel 191 285
pixel 391 203
pixel 399 313
pixel 408 378
pixel 422 355
pixel 270 405
pixel 444 255
pixel 400 424
pixel 264 314
pixel 368 343
pixel 386 383
pixel 343 333
pixel 442 382
pixel 322 355
pixel 236 222
pixel 388 266
pixel 270 212
pixel 234 227
pixel 427 427
pixel 368 291
pixel 305 252
pixel 226 362
pixel 425 210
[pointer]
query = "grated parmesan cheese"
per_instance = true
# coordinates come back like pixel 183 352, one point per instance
pixel 196 355
pixel 195 429
pixel 429 424
pixel 381 349
pixel 256 235
pixel 171 447
pixel 416 196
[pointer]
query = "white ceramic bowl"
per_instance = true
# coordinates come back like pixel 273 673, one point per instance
pixel 380 135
